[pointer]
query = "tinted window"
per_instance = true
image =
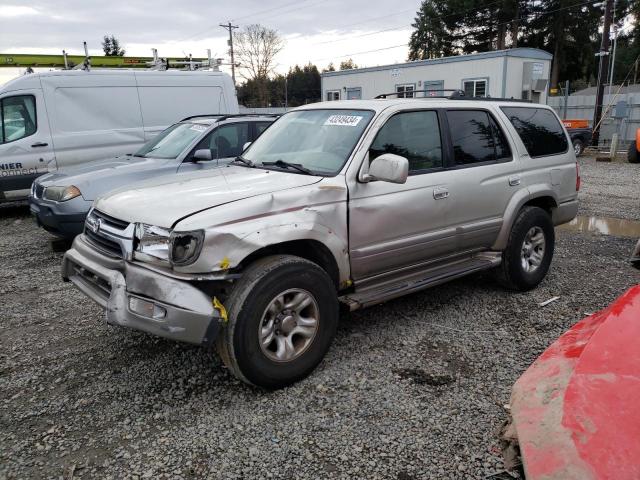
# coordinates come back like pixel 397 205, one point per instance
pixel 226 141
pixel 476 137
pixel 539 130
pixel 261 127
pixel 413 135
pixel 18 118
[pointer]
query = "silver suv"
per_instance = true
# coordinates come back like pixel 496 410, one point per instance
pixel 352 202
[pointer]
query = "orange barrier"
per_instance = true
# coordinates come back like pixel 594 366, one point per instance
pixel 575 123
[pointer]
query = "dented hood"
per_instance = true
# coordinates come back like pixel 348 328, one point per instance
pixel 166 200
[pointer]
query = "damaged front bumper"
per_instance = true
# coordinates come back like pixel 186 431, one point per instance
pixel 142 299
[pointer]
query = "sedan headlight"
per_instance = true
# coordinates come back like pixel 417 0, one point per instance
pixel 160 245
pixel 61 194
pixel 186 247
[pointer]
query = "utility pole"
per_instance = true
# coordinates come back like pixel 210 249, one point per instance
pixel 231 28
pixel 603 70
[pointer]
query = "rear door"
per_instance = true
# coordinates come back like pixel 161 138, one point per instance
pixel 25 140
pixel 482 177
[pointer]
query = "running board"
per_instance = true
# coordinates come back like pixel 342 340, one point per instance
pixel 420 280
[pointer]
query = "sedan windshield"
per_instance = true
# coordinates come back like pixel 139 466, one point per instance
pixel 171 142
pixel 317 140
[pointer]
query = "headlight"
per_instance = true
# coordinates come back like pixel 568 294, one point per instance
pixel 186 247
pixel 160 245
pixel 151 243
pixel 61 194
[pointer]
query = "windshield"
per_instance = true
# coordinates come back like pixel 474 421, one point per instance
pixel 171 142
pixel 318 140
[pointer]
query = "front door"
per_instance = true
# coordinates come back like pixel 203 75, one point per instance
pixel 391 225
pixel 225 142
pixel 25 140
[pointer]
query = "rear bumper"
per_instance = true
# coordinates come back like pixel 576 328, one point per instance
pixel 565 212
pixel 187 312
pixel 65 219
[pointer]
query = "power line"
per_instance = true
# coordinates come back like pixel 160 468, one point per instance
pixel 361 53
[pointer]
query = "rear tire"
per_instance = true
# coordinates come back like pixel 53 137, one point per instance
pixel 270 339
pixel 633 156
pixel 578 147
pixel 526 260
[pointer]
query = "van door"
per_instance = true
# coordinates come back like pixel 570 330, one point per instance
pixel 25 140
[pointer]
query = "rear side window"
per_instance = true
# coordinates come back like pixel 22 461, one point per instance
pixel 261 127
pixel 539 130
pixel 476 138
pixel 17 118
pixel 413 135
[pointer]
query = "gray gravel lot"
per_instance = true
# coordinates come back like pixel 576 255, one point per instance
pixel 414 388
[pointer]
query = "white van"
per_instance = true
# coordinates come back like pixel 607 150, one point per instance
pixel 55 119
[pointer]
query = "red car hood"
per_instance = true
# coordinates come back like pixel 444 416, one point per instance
pixel 575 410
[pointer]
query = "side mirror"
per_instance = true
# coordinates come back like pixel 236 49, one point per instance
pixel 203 154
pixel 388 167
pixel 245 146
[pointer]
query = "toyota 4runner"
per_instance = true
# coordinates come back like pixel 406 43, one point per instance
pixel 353 202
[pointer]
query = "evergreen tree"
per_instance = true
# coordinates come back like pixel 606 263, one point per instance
pixel 111 47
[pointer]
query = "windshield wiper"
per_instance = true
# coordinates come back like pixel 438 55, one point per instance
pixel 295 166
pixel 241 159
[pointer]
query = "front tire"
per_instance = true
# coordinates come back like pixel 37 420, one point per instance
pixel 282 317
pixel 526 260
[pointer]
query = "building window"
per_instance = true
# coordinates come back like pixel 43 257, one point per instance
pixel 333 95
pixel 475 88
pixel 406 90
pixel 354 93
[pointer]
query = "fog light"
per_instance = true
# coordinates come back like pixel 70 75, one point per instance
pixel 146 308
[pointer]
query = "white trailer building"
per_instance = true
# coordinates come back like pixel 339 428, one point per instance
pixel 521 73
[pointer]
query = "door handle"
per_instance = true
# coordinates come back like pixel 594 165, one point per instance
pixel 515 180
pixel 40 144
pixel 440 193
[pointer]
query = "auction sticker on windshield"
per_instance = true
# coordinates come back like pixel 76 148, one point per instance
pixel 198 128
pixel 343 120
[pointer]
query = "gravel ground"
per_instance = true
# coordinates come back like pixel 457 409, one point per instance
pixel 414 388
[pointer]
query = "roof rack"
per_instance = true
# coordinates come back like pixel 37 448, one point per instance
pixel 455 93
pixel 223 116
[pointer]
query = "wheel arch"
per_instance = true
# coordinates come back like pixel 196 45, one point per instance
pixel 543 198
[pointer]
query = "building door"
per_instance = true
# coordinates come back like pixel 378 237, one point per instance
pixel 434 88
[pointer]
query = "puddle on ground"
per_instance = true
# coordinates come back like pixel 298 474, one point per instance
pixel 604 226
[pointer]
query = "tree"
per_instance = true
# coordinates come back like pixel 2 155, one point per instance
pixel 348 65
pixel 256 48
pixel 111 47
pixel 431 37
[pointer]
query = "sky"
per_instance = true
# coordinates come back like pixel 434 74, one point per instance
pixel 317 31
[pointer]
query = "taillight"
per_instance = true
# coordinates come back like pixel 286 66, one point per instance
pixel 577 177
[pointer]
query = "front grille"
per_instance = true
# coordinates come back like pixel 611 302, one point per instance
pixel 111 221
pixel 104 244
pixel 108 235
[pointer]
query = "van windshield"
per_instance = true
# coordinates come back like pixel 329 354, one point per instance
pixel 318 140
pixel 171 142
